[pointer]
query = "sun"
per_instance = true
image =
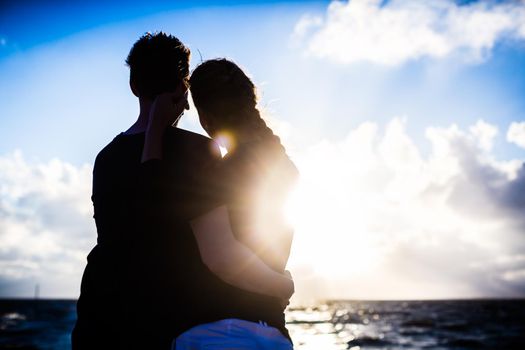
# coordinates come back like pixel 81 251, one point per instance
pixel 331 235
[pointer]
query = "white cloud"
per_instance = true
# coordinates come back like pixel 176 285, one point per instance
pixel 305 25
pixel 378 218
pixel 394 32
pixel 516 133
pixel 46 225
pixel 484 134
pixel 375 218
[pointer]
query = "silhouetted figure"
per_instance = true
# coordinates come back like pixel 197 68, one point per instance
pixel 145 282
pixel 120 305
pixel 248 188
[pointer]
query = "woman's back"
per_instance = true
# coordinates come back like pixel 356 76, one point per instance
pixel 260 176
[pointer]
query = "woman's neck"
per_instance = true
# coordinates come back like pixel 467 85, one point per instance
pixel 235 140
pixel 247 135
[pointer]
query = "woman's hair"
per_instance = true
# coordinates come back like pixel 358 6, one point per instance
pixel 220 87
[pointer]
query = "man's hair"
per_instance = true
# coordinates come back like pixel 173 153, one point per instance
pixel 158 63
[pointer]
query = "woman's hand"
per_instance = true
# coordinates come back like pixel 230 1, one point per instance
pixel 167 108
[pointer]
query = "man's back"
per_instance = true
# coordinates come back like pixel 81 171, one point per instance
pixel 127 285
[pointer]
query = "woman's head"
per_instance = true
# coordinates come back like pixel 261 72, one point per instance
pixel 226 100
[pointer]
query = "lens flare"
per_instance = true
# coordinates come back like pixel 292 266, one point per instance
pixel 226 140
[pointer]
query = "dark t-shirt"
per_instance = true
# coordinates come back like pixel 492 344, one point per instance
pixel 131 287
pixel 145 282
pixel 253 182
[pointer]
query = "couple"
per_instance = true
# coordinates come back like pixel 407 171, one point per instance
pixel 191 247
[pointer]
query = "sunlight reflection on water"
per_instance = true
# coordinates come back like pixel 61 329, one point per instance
pixel 393 325
pixel 452 324
pixel 311 328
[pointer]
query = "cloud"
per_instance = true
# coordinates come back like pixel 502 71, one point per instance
pixel 376 217
pixel 484 133
pixel 394 32
pixel 46 226
pixel 516 133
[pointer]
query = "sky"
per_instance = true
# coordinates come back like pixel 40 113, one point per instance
pixel 405 118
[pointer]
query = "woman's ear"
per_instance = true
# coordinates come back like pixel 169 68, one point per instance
pixel 204 120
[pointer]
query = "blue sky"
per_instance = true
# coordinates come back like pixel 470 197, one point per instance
pixel 49 50
pixel 65 41
pixel 401 106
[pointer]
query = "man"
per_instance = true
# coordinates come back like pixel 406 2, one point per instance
pixel 123 268
pixel 145 282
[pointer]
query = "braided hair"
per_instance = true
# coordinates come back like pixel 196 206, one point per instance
pixel 221 87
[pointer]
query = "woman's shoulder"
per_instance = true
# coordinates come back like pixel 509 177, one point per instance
pixel 262 158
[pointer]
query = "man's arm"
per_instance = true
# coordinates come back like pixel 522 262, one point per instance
pixel 232 261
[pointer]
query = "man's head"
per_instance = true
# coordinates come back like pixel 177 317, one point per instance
pixel 158 63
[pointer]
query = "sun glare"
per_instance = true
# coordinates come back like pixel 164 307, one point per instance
pixel 330 232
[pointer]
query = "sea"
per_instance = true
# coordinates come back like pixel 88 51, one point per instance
pixel 441 324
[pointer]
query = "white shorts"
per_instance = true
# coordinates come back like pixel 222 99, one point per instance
pixel 232 334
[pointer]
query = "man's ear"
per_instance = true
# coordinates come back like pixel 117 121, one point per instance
pixel 133 88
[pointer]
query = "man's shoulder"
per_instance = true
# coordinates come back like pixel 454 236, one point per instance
pixel 188 136
pixel 188 141
pixel 113 147
pixel 179 143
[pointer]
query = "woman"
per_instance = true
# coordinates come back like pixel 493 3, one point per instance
pixel 246 190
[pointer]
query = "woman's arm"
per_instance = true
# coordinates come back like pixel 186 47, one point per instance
pixel 226 257
pixel 165 110
pixel 232 261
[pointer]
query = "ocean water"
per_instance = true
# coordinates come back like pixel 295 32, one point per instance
pixel 454 324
